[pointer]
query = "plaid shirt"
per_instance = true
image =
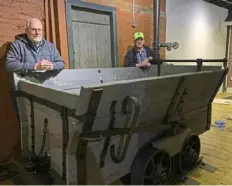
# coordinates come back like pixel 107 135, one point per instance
pixel 37 45
pixel 141 55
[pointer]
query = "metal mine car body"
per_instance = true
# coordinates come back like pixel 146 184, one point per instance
pixel 99 125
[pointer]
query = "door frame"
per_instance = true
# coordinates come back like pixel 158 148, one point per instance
pixel 95 8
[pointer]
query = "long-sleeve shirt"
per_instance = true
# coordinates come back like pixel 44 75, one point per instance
pixel 23 55
pixel 131 57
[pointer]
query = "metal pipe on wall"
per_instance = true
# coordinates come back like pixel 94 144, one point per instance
pixel 156 23
pixel 133 12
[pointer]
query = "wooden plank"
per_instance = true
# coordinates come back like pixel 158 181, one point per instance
pixel 60 17
pixel 83 45
pixel 223 101
pixel 98 46
pixel 108 49
pixel 76 44
pixel 92 46
pixel 53 27
pixel 47 23
pixel 102 45
pixel 90 17
pixel 106 61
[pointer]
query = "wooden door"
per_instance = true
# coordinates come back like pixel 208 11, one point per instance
pixel 91 39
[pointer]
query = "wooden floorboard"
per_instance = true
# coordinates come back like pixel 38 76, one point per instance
pixel 216 147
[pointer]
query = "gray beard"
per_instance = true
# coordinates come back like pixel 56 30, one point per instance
pixel 36 43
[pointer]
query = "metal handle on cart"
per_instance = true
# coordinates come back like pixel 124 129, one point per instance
pixel 120 156
pixel 91 138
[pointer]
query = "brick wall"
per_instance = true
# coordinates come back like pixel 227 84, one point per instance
pixel 13 15
pixel 144 22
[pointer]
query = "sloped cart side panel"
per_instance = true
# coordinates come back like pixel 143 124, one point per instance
pixel 192 107
pixel 152 97
pixel 67 79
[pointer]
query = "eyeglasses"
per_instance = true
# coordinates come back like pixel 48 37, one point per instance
pixel 34 29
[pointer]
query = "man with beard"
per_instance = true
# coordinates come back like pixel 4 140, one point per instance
pixel 31 52
pixel 140 55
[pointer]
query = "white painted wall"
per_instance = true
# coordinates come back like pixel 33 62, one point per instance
pixel 198 27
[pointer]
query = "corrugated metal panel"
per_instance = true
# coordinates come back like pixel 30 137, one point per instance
pixel 91 38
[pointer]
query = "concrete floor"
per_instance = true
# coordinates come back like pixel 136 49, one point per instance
pixel 215 147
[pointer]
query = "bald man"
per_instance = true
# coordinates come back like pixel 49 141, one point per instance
pixel 30 52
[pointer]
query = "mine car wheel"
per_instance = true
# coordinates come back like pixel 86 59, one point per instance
pixel 151 167
pixel 189 154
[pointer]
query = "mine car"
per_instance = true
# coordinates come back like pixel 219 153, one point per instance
pixel 96 126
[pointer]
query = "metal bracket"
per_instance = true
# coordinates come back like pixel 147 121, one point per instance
pixel 174 102
pixel 202 165
pixel 32 126
pixel 179 109
pixel 123 150
pixel 108 139
pixel 91 138
pixel 87 127
pixel 65 129
pixel 208 167
pixel 170 45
